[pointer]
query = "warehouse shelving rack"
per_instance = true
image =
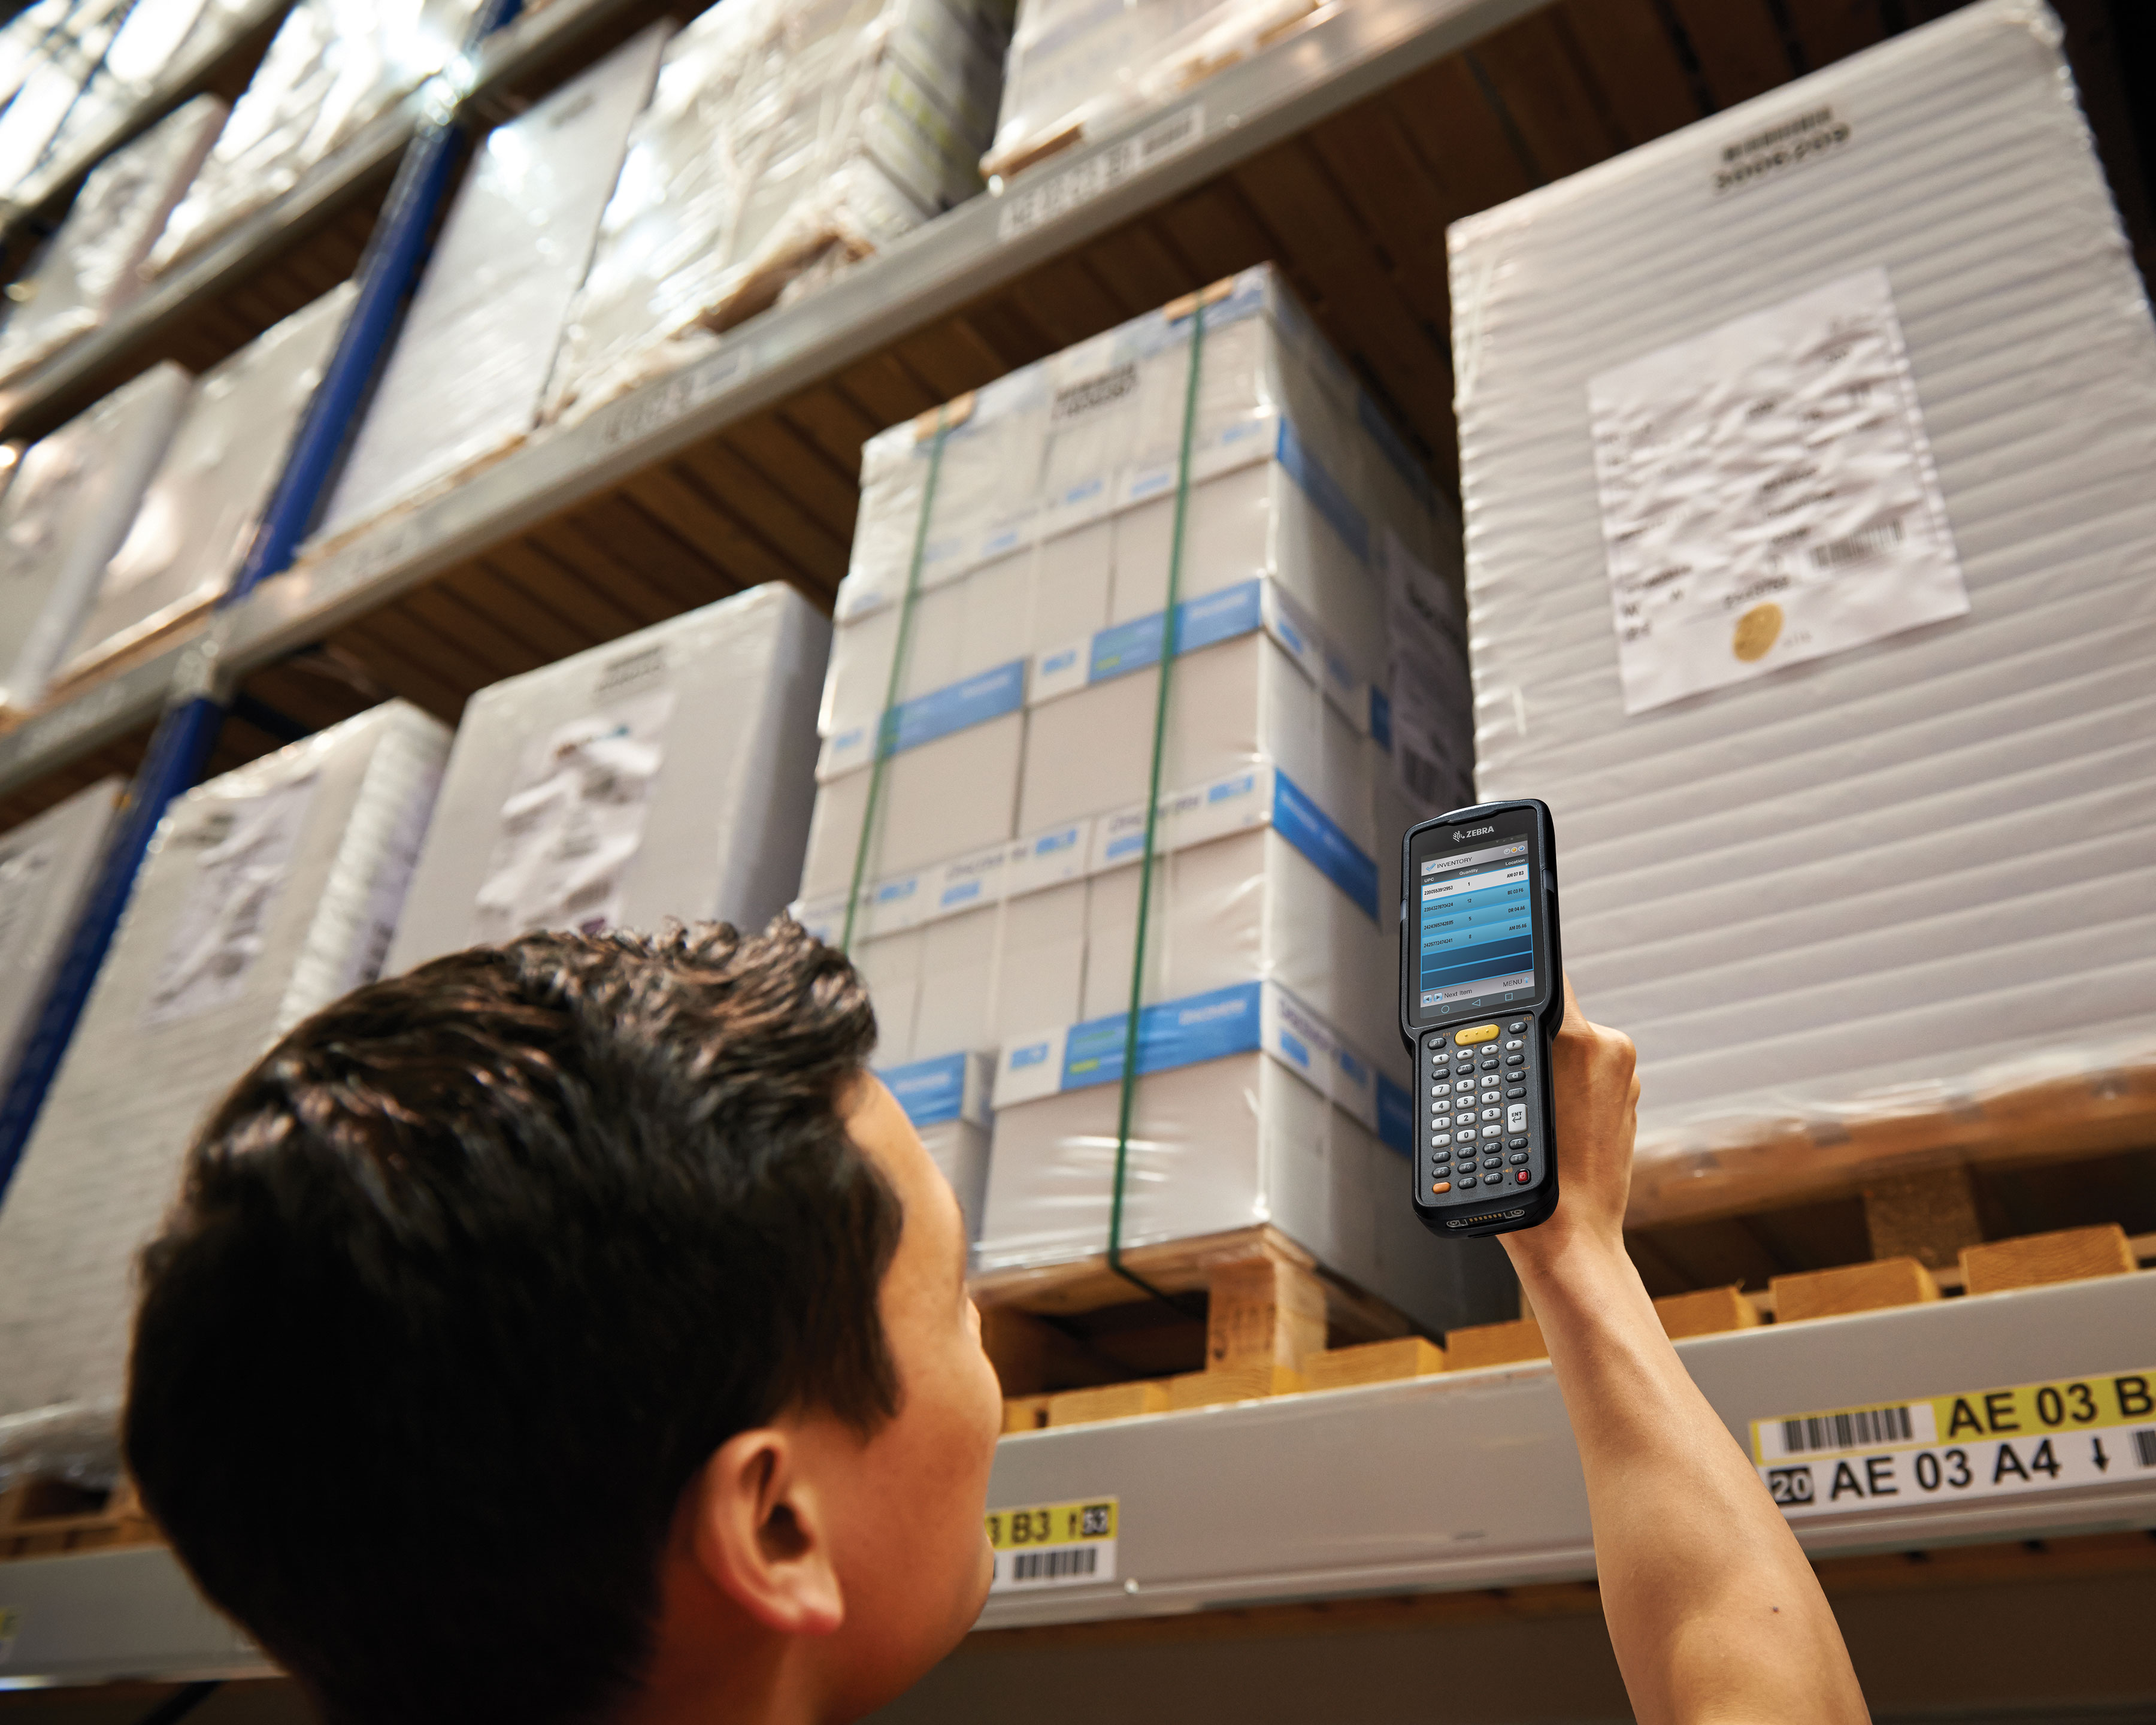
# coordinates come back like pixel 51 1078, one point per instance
pixel 1251 1503
pixel 1340 152
pixel 213 63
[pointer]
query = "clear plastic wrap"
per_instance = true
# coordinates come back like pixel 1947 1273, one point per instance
pixel 1855 892
pixel 92 267
pixel 46 868
pixel 200 512
pixel 781 137
pixel 666 775
pixel 74 494
pixel 55 80
pixel 267 893
pixel 999 904
pixel 1079 68
pixel 469 369
pixel 334 66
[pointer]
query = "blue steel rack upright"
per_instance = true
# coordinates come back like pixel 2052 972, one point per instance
pixel 187 729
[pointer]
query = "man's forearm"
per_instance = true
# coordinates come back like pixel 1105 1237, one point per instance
pixel 1712 1608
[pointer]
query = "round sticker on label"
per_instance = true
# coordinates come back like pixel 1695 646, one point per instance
pixel 1756 631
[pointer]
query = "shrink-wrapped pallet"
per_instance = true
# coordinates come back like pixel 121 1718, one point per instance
pixel 199 515
pixel 665 775
pixel 1810 545
pixel 782 138
pixel 1078 69
pixel 334 66
pixel 69 41
pixel 469 369
pixel 74 494
pixel 268 892
pixel 93 265
pixel 1316 704
pixel 47 866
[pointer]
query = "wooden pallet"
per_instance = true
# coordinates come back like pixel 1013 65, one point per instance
pixel 1248 1313
pixel 1922 1137
pixel 1997 1266
pixel 1269 1314
pixel 44 1518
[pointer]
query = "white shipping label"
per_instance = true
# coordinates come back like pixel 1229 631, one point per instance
pixel 1426 679
pixel 243 848
pixel 2027 1437
pixel 573 826
pixel 1769 496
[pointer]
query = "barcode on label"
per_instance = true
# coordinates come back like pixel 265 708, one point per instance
pixel 1054 1565
pixel 2144 1446
pixel 1864 1426
pixel 1855 549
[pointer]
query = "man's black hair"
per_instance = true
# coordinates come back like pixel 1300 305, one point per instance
pixel 470 1276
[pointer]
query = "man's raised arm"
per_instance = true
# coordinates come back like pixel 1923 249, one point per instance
pixel 1714 1613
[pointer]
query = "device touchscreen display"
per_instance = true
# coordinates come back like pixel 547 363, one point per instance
pixel 1474 918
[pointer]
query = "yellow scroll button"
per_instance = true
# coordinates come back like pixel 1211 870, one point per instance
pixel 1479 1033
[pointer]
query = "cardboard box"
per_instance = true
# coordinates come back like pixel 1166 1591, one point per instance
pixel 1874 879
pixel 92 266
pixel 1078 68
pixel 269 892
pixel 782 140
pixel 332 70
pixel 47 868
pixel 198 517
pixel 663 776
pixel 74 495
pixel 466 378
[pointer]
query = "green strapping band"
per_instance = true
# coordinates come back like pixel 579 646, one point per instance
pixel 886 736
pixel 1170 629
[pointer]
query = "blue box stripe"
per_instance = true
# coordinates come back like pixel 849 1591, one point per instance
pixel 1175 1032
pixel 931 1091
pixel 1313 832
pixel 974 701
pixel 1324 490
pixel 1202 622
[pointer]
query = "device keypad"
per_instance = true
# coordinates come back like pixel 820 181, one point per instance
pixel 1484 1131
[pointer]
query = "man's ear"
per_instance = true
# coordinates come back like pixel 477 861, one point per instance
pixel 759 1532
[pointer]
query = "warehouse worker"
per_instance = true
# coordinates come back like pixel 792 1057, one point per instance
pixel 574 1330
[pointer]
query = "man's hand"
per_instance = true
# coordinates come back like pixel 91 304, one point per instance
pixel 1714 1612
pixel 1594 1074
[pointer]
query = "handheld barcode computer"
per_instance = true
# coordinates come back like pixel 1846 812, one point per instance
pixel 1481 994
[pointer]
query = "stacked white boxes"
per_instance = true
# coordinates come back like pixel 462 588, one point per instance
pixel 666 776
pixel 47 867
pixel 200 512
pixel 70 41
pixel 74 495
pixel 268 892
pixel 470 366
pixel 1078 67
pixel 334 66
pixel 1838 671
pixel 998 902
pixel 783 140
pixel 92 267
